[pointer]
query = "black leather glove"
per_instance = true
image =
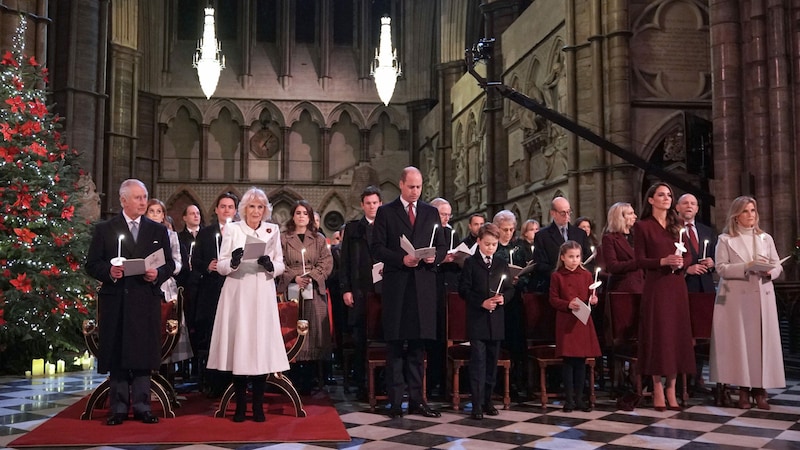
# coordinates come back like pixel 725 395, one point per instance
pixel 266 262
pixel 236 257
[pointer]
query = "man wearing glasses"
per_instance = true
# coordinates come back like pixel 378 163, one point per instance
pixel 548 241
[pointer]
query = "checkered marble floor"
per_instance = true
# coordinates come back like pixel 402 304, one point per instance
pixel 26 403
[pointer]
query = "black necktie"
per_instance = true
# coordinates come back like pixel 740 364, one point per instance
pixel 488 262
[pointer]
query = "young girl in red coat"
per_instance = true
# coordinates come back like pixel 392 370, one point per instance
pixel 569 286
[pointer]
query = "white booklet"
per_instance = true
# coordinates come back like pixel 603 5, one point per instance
pixel 462 252
pixel 419 253
pixel 583 313
pixel 517 271
pixel 138 266
pixel 254 248
pixel 758 266
pixel 377 272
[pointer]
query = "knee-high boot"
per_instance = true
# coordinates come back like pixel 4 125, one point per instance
pixel 259 383
pixel 240 395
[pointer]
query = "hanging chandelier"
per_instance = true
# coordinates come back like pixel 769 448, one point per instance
pixel 385 68
pixel 207 60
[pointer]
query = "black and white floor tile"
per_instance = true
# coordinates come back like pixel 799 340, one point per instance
pixel 26 403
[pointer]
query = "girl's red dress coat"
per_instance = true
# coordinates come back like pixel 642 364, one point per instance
pixel 573 338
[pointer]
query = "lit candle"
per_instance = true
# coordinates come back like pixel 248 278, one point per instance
pixel 452 233
pixel 596 274
pixel 28 373
pixel 592 249
pixel 499 285
pixel 61 366
pixel 511 256
pixel 51 369
pixel 303 259
pixel 217 245
pixel 119 245
pixel 705 247
pixel 37 367
pixel 191 250
pixel 680 235
pixel 433 233
pixel 531 249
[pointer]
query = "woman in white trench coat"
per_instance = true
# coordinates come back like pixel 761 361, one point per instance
pixel 247 337
pixel 745 340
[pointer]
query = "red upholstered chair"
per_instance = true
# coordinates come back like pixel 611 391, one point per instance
pixel 540 320
pixel 458 353
pixel 622 316
pixel 701 311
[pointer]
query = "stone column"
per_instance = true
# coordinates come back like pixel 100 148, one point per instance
pixel 244 156
pixel 596 38
pixel 363 156
pixel 286 37
pixel 285 132
pixel 726 61
pixel 247 39
pixel 325 41
pixel 448 74
pixel 204 151
pixel 325 164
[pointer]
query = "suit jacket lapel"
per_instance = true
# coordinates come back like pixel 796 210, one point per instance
pixel 739 246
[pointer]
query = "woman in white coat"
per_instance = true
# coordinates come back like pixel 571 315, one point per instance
pixel 745 340
pixel 247 338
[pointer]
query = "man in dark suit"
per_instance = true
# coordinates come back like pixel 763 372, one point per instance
pixel 355 277
pixel 129 305
pixel 204 264
pixel 409 289
pixel 548 240
pixel 476 221
pixel 700 273
pixel 702 242
pixel 188 279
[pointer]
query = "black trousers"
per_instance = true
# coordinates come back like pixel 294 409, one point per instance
pixel 482 370
pixel 129 388
pixel 405 361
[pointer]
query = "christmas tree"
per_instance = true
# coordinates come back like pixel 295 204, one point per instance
pixel 44 293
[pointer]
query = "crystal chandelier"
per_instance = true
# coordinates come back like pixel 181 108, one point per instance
pixel 385 68
pixel 207 60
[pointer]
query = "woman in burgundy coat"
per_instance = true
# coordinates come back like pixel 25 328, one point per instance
pixel 618 258
pixel 665 333
pixel 575 341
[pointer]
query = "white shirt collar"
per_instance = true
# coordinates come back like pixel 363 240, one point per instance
pixel 128 220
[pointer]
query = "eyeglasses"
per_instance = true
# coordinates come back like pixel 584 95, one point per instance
pixel 564 213
pixel 445 215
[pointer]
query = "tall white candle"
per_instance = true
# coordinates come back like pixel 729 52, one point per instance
pixel 680 236
pixel 705 247
pixel 119 245
pixel 511 256
pixel 217 245
pixel 452 233
pixel 191 250
pixel 592 249
pixel 303 259
pixel 499 285
pixel 433 234
pixel 532 249
pixel 596 273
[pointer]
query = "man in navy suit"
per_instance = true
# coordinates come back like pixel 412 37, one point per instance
pixel 129 305
pixel 547 243
pixel 355 276
pixel 409 289
pixel 699 275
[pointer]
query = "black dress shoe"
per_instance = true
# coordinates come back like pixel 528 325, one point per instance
pixel 395 413
pixel 116 419
pixel 490 410
pixel 146 417
pixel 476 414
pixel 423 410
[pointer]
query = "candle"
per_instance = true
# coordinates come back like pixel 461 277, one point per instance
pixel 191 250
pixel 680 236
pixel 217 245
pixel 592 249
pixel 37 367
pixel 499 285
pixel 452 233
pixel 705 247
pixel 119 245
pixel 596 273
pixel 303 259
pixel 28 373
pixel 511 256
pixel 433 234
pixel 51 369
pixel 531 249
pixel 61 366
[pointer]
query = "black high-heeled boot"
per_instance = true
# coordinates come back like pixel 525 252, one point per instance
pixel 240 395
pixel 259 383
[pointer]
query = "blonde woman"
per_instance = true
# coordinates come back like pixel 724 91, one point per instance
pixel 745 338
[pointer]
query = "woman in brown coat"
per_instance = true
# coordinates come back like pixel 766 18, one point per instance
pixel 308 263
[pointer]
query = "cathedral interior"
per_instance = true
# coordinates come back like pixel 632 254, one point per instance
pixel 704 91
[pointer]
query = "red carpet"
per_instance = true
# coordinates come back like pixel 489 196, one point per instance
pixel 194 423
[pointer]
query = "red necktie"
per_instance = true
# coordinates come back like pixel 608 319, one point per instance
pixel 692 237
pixel 411 216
